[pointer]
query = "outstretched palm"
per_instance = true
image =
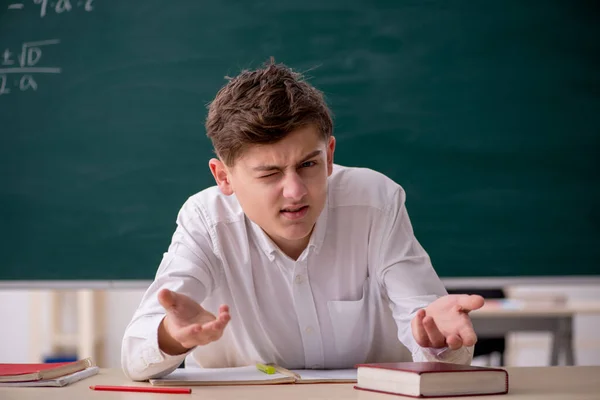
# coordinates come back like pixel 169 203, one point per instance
pixel 446 322
pixel 188 323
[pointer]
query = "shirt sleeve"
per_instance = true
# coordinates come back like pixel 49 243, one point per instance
pixel 404 270
pixel 189 267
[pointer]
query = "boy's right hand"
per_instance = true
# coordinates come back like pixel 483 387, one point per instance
pixel 187 324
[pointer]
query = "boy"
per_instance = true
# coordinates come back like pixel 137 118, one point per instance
pixel 307 264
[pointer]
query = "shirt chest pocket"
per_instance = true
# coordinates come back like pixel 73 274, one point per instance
pixel 351 328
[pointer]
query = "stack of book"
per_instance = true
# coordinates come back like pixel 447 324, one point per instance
pixel 48 374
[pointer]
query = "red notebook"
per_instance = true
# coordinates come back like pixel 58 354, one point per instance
pixel 36 372
pixel 431 379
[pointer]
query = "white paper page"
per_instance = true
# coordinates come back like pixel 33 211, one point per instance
pixel 249 373
pixel 310 374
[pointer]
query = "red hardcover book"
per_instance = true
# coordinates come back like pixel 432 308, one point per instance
pixel 36 372
pixel 431 379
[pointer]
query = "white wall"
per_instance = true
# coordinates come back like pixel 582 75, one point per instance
pixel 14 326
pixel 524 349
pixel 19 325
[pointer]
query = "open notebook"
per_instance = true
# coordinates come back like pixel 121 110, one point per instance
pixel 252 376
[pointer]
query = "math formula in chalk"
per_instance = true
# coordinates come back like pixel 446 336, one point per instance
pixel 18 70
pixel 52 6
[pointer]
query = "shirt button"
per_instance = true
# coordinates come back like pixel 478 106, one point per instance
pixel 299 279
pixel 308 330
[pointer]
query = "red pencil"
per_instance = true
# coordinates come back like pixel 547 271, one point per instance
pixel 148 389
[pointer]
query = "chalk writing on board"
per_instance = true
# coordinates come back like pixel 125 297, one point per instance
pixel 17 70
pixel 56 6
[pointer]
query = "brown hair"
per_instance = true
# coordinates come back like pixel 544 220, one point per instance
pixel 262 107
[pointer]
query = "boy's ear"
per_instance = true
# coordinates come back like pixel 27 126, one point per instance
pixel 221 175
pixel 330 151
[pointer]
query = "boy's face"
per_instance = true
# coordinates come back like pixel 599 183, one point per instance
pixel 282 187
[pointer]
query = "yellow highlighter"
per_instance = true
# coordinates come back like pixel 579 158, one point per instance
pixel 267 369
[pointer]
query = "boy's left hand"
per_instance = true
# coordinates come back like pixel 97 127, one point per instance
pixel 446 322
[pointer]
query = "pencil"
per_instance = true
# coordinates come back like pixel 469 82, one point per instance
pixel 147 389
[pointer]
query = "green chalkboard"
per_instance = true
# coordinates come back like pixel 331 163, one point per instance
pixel 487 112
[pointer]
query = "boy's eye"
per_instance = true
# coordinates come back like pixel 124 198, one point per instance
pixel 307 164
pixel 268 175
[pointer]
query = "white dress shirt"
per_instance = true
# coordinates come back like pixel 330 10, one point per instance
pixel 349 297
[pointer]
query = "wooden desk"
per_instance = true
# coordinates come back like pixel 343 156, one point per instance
pixel 494 320
pixel 526 383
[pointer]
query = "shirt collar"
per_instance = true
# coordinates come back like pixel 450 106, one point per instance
pixel 316 238
pixel 264 241
pixel 318 235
